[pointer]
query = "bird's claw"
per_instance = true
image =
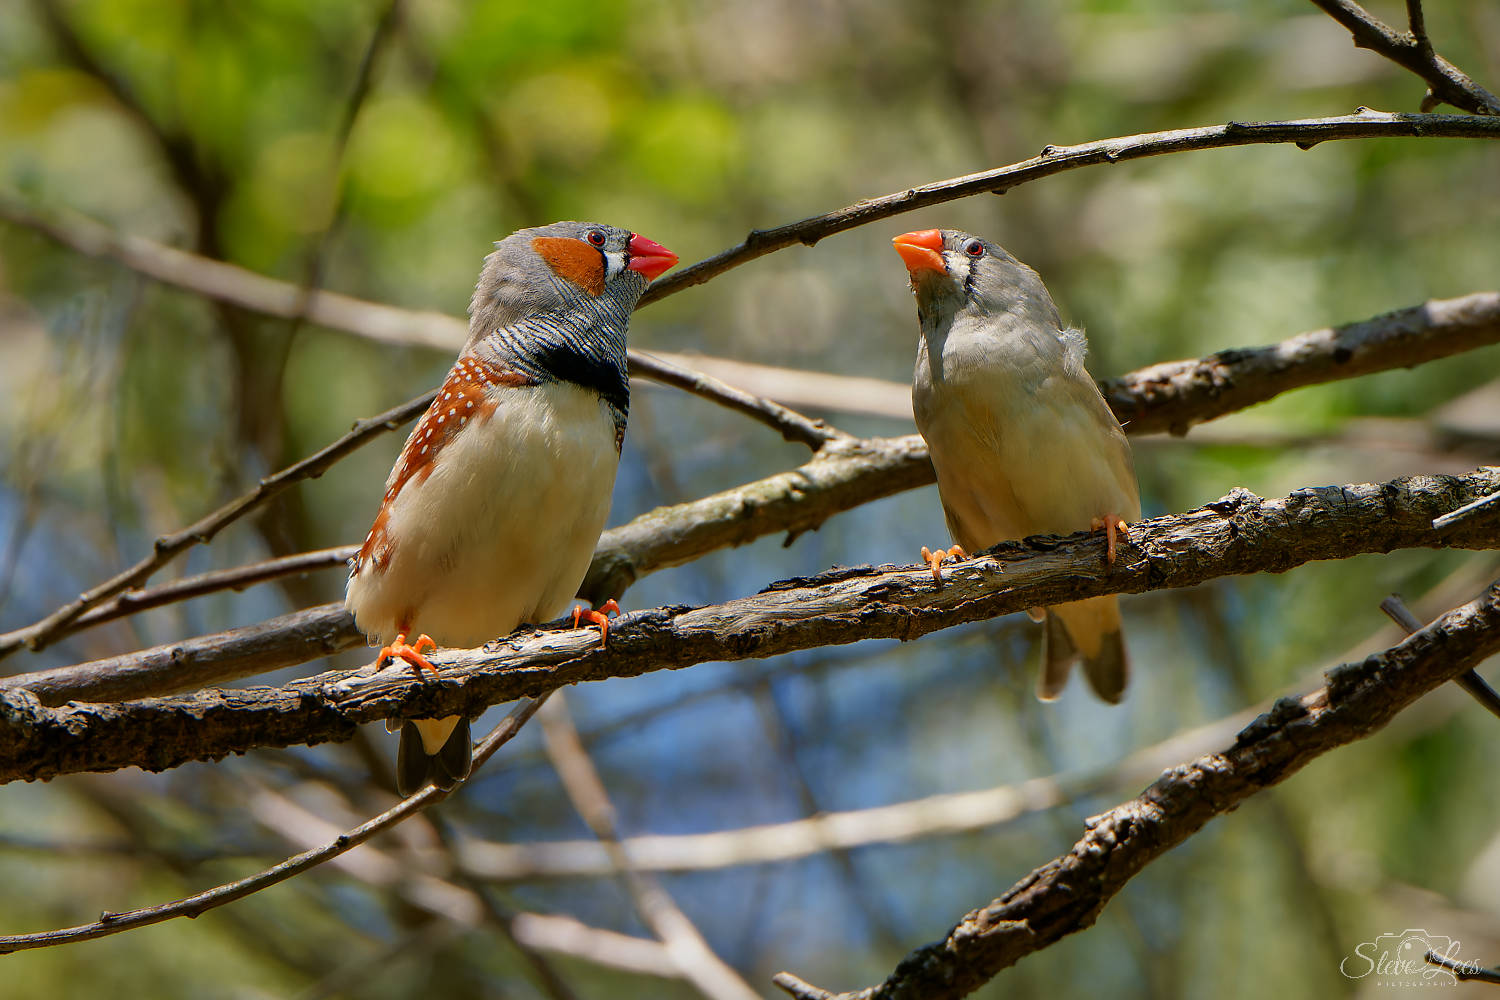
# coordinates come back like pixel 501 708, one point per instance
pixel 1113 527
pixel 599 616
pixel 935 560
pixel 412 654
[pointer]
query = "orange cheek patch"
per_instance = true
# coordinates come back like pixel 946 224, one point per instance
pixel 573 260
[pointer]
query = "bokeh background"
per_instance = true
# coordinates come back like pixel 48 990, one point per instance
pixel 239 131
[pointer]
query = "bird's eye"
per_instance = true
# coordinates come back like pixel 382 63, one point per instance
pixel 974 248
pixel 595 238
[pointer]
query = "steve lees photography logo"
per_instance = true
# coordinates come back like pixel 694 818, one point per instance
pixel 1401 960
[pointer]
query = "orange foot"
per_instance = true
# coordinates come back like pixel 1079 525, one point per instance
pixel 1112 526
pixel 935 560
pixel 599 616
pixel 399 650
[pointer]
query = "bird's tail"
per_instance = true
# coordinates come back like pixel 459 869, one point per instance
pixel 437 750
pixel 1089 631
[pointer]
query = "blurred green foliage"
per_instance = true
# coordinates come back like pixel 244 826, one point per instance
pixel 131 408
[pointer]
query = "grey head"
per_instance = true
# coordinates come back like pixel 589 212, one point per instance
pixel 954 273
pixel 564 267
pixel 554 302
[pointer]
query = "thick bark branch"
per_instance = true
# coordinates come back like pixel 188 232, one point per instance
pixel 1171 396
pixel 1238 534
pixel 1067 894
pixel 843 474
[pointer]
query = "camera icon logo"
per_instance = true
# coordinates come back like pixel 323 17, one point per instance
pixel 1401 959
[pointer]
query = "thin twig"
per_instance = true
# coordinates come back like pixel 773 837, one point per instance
pixel 1238 534
pixel 200 903
pixel 1467 510
pixel 1463 971
pixel 236 578
pixel 799 988
pixel 792 425
pixel 1397 611
pixel 580 779
pixel 1418 23
pixel 1413 51
pixel 1067 894
pixel 1054 159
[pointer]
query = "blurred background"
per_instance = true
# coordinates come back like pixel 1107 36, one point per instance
pixel 378 150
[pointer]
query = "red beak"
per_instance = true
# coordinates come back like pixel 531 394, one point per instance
pixel 649 257
pixel 922 251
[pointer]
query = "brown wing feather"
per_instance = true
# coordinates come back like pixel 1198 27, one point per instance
pixel 462 397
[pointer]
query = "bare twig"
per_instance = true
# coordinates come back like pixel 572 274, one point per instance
pixel 1463 971
pixel 792 425
pixel 1305 133
pixel 823 392
pixel 249 290
pixel 1067 894
pixel 1240 533
pixel 800 988
pixel 1467 510
pixel 1413 50
pixel 195 905
pixel 131 602
pixel 1397 611
pixel 697 961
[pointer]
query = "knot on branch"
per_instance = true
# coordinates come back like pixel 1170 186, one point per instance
pixel 1284 711
pixel 1233 502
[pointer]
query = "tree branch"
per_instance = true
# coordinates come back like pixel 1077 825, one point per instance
pixel 1413 50
pixel 1238 534
pixel 130 602
pixel 193 906
pixel 843 474
pixel 1474 685
pixel 1172 396
pixel 1067 894
pixel 792 425
pixel 228 283
pixel 1305 133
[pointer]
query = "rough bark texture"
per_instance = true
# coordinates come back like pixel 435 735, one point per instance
pixel 1238 534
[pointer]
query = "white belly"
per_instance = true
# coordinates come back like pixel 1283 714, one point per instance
pixel 503 529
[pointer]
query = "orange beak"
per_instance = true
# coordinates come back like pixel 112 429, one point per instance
pixel 922 251
pixel 649 257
